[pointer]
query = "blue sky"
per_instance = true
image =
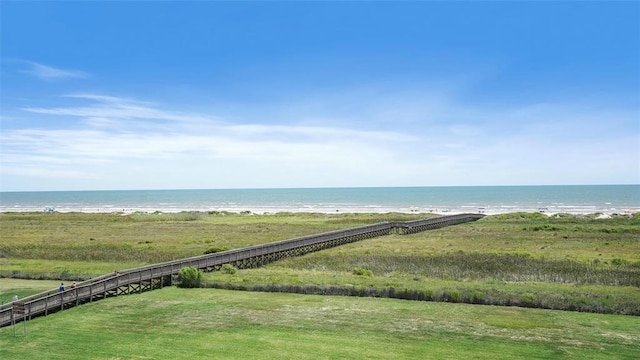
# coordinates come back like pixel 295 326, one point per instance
pixel 173 95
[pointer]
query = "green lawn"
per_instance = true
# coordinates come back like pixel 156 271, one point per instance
pixel 177 323
pixel 22 288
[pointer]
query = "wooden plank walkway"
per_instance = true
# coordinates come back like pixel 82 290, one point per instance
pixel 158 275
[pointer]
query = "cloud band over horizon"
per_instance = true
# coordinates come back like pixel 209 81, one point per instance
pixel 107 135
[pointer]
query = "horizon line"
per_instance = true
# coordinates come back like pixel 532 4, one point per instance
pixel 321 188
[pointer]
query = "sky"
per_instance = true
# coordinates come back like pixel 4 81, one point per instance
pixel 213 95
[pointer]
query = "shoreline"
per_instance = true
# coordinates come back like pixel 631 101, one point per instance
pixel 344 209
pixel 601 199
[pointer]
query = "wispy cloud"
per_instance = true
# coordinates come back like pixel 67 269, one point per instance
pixel 50 73
pixel 101 136
pixel 117 108
pixel 115 142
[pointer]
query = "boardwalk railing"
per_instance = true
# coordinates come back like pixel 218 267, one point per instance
pixel 158 275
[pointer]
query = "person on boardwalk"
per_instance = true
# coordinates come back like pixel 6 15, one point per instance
pixel 61 287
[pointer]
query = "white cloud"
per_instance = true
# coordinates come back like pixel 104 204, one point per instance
pixel 49 73
pixel 102 136
pixel 116 108
pixel 112 142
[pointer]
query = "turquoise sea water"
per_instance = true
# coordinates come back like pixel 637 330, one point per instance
pixel 487 199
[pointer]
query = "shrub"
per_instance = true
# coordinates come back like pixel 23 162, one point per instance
pixel 528 299
pixel 189 277
pixel 477 297
pixel 452 296
pixel 545 227
pixel 362 271
pixel 215 249
pixel 618 261
pixel 228 269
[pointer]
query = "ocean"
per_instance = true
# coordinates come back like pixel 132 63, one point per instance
pixel 575 199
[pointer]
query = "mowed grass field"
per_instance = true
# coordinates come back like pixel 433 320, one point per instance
pixel 175 323
pixel 21 288
pixel 582 263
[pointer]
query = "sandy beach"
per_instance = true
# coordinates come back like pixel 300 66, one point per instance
pixel 261 209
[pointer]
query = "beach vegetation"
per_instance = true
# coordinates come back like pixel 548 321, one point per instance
pixel 215 249
pixel 362 271
pixel 189 277
pixel 228 269
pixel 556 262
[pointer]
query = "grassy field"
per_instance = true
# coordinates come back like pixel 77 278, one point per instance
pixel 95 242
pixel 561 262
pixel 531 260
pixel 177 323
pixel 80 245
pixel 566 262
pixel 22 288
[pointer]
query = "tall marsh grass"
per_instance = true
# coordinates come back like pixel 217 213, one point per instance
pixel 478 266
pixel 101 252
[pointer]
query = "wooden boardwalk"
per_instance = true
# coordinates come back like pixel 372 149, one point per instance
pixel 158 275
